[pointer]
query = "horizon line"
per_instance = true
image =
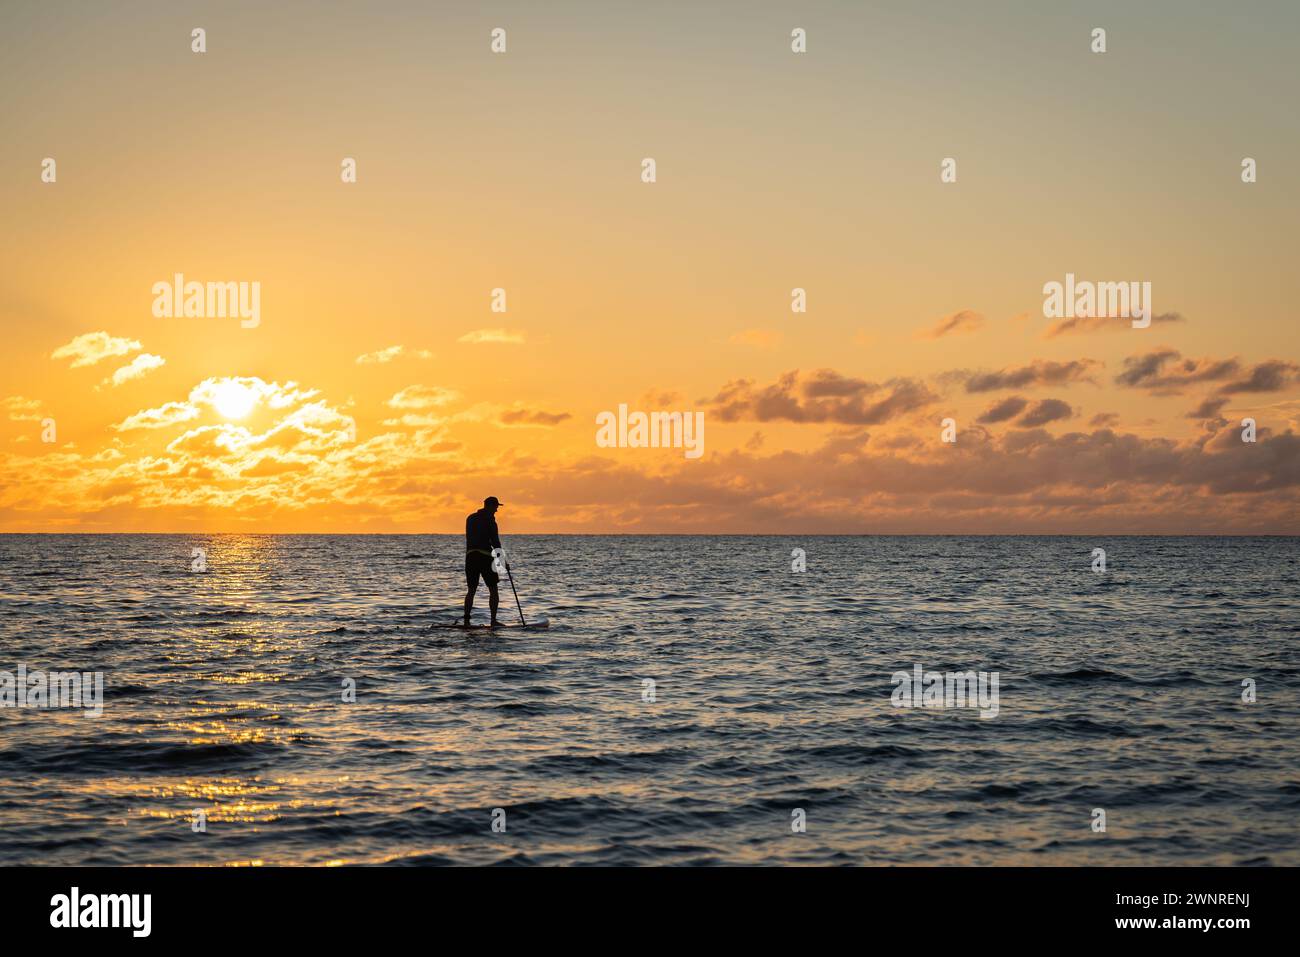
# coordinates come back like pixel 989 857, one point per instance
pixel 734 534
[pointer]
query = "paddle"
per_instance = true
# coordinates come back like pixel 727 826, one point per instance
pixel 512 588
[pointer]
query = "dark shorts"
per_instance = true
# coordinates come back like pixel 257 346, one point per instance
pixel 477 564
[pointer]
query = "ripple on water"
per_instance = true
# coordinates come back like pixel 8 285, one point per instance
pixel 771 694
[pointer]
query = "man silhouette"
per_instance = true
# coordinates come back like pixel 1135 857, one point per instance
pixel 481 537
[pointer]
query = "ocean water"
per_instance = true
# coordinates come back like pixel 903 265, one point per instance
pixel 1119 691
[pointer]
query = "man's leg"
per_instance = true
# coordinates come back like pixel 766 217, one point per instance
pixel 471 586
pixel 492 600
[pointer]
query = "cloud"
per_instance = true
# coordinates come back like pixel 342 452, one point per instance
pixel 422 397
pixel 1270 376
pixel 92 347
pixel 958 323
pixel 538 419
pixel 414 421
pixel 510 336
pixel 137 368
pixel 304 439
pixel 298 465
pixel 21 409
pixel 209 392
pixel 315 427
pixel 1076 326
pixel 1007 408
pixel 1045 411
pixel 306 473
pixel 269 466
pixel 170 413
pixel 659 398
pixel 822 396
pixel 1209 408
pixel 1164 370
pixel 760 338
pixel 1039 372
pixel 212 440
pixel 1104 420
pixel 382 356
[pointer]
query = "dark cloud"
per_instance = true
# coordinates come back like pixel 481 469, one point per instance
pixel 1045 411
pixel 1165 370
pixel 1065 327
pixel 964 321
pixel 1270 376
pixel 1038 372
pixel 1209 408
pixel 530 417
pixel 1007 408
pixel 827 383
pixel 821 396
pixel 1104 420
pixel 1024 480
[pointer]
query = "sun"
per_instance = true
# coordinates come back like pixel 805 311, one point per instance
pixel 233 400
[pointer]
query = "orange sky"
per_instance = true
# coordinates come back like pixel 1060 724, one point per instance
pixel 522 171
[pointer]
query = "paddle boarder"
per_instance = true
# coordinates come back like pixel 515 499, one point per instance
pixel 481 536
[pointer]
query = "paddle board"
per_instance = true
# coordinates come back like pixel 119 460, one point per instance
pixel 541 623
